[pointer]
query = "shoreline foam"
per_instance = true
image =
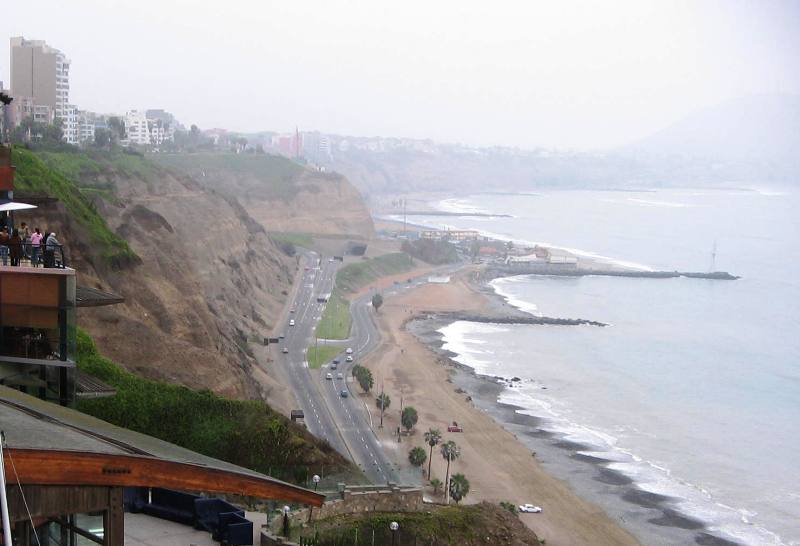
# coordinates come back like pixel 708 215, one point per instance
pixel 682 505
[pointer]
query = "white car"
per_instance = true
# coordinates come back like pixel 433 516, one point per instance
pixel 339 375
pixel 533 509
pixel 349 350
pixel 329 376
pixel 291 322
pixel 349 358
pixel 285 350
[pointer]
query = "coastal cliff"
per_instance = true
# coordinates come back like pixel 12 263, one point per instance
pixel 202 280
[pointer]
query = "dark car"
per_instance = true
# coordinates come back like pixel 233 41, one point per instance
pixel 344 394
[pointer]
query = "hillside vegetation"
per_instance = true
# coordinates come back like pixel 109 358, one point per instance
pixel 247 433
pixel 359 274
pixel 474 525
pixel 35 176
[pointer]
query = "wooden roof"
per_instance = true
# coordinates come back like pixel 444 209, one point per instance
pixel 53 445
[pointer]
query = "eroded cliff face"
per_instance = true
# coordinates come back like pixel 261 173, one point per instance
pixel 279 194
pixel 209 283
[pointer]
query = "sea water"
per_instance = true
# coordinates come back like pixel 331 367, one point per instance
pixel 693 390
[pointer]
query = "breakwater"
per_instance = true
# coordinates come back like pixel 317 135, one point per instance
pixel 511 318
pixel 567 271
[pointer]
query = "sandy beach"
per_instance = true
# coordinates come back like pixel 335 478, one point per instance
pixel 499 467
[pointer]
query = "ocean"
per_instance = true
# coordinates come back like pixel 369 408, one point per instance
pixel 692 394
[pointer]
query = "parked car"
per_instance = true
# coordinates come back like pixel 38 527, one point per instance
pixel 329 376
pixel 285 350
pixel 455 427
pixel 530 508
pixel 344 394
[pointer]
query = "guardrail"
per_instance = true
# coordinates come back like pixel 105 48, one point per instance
pixel 29 255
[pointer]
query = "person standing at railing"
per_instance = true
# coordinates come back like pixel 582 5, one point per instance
pixel 36 246
pixel 25 235
pixel 15 244
pixel 4 238
pixel 50 246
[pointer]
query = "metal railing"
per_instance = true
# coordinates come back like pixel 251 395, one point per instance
pixel 30 255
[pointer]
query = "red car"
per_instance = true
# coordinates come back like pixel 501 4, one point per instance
pixel 454 428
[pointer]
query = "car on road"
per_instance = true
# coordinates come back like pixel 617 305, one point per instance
pixel 306 268
pixel 291 322
pixel 291 310
pixel 339 375
pixel 349 358
pixel 282 335
pixel 530 508
pixel 455 427
pixel 344 394
pixel 349 350
pixel 330 260
pixel 334 365
pixel 336 360
pixel 329 376
pixel 285 350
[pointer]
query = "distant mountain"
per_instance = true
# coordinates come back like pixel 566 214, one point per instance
pixel 754 129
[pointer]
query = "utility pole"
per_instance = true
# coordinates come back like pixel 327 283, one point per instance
pixel 404 217
pixel 383 403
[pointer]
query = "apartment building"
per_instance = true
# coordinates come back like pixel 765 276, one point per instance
pixel 40 72
pixel 136 128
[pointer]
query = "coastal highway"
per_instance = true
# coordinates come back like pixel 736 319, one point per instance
pixel 341 421
pixel 305 312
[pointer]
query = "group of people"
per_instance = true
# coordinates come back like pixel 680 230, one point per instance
pixel 23 243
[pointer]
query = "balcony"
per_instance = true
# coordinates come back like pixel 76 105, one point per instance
pixel 37 331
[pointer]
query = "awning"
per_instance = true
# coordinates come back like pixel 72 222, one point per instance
pixel 14 205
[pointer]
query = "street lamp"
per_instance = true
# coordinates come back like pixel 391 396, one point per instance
pixel 394 526
pixel 315 479
pixel 286 510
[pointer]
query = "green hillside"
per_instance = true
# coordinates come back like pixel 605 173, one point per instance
pixel 248 433
pixel 58 175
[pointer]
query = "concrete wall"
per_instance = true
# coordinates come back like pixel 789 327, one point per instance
pixel 272 540
pixel 359 499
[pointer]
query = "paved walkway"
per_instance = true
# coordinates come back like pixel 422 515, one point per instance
pixel 143 530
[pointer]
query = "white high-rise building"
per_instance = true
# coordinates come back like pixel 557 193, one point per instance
pixel 70 126
pixel 136 128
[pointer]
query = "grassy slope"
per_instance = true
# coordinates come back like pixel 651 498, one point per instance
pixel 335 321
pixel 246 433
pixel 471 525
pixel 358 274
pixel 35 176
pixel 276 174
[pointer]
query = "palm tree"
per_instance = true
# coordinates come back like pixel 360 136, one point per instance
pixel 459 487
pixel 436 483
pixel 450 452
pixel 417 456
pixel 432 437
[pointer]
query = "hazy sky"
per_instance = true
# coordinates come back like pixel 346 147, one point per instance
pixel 550 73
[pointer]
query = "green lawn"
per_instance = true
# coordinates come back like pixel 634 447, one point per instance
pixel 296 238
pixel 335 321
pixel 357 274
pixel 322 354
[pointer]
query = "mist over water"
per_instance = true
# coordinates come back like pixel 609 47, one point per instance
pixel 693 390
